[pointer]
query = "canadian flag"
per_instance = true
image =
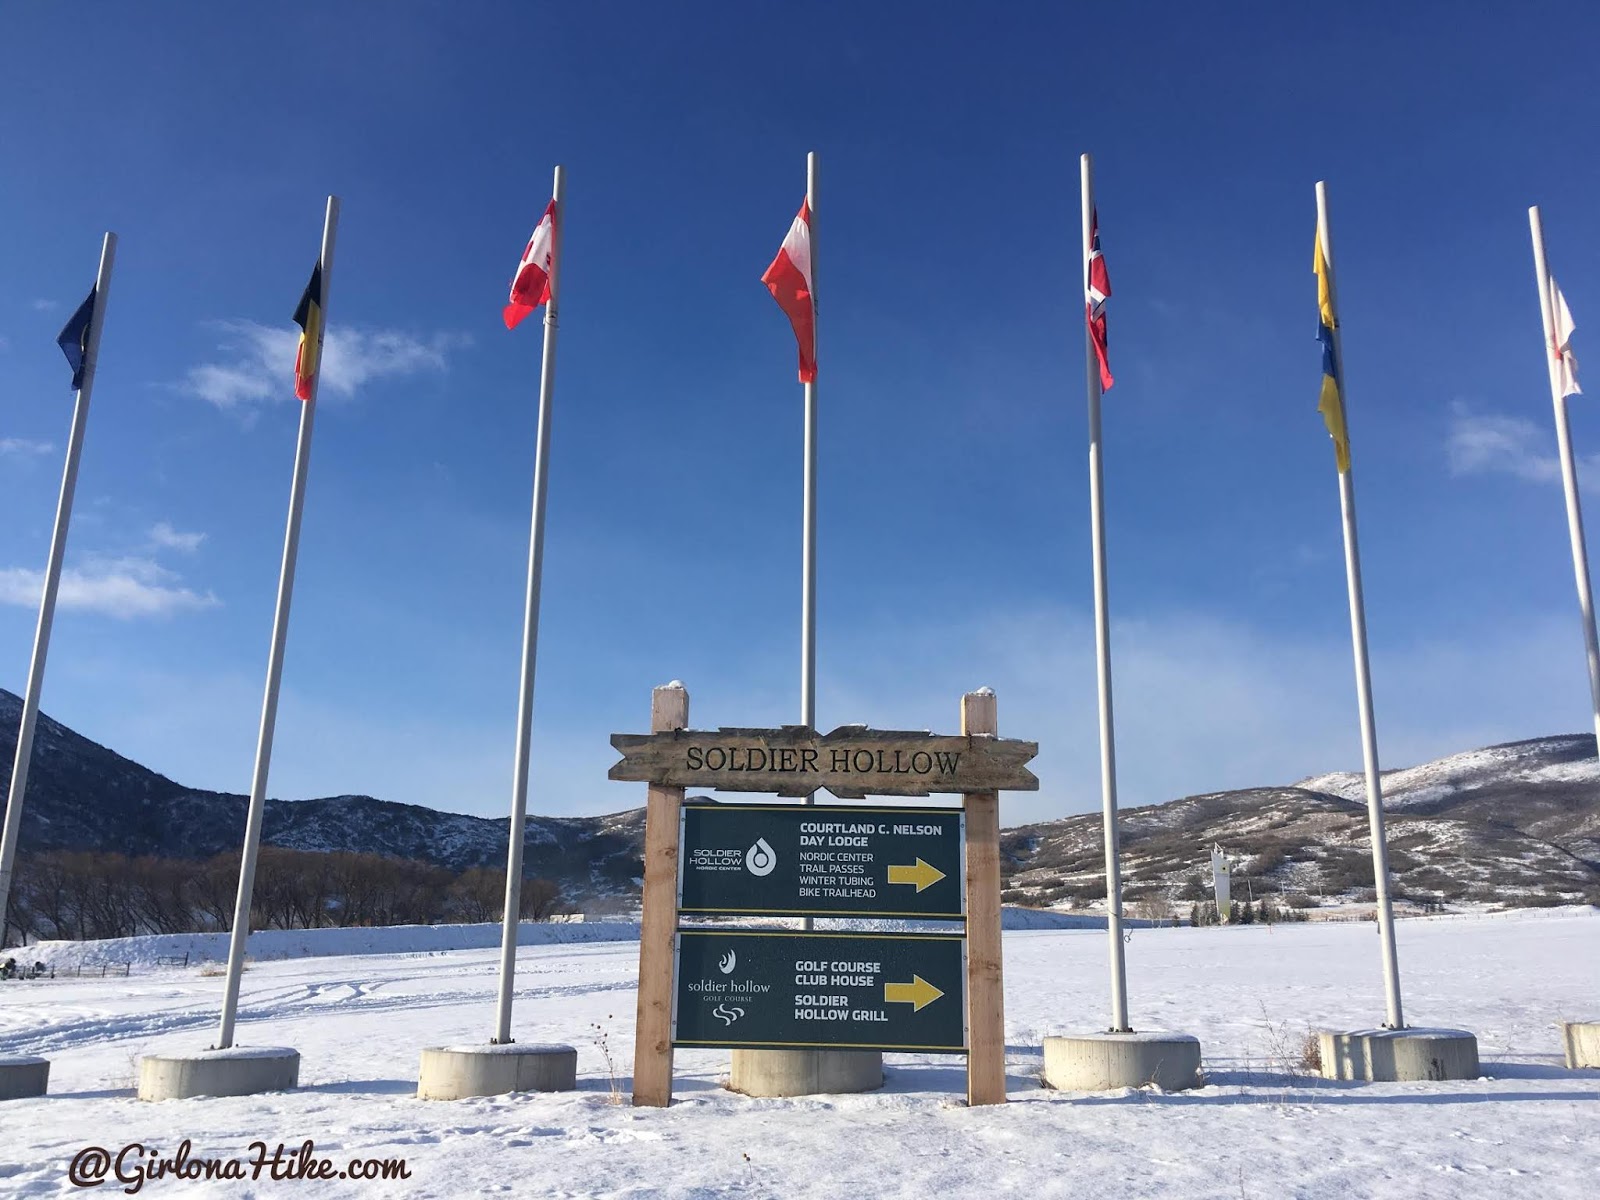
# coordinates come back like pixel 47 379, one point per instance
pixel 789 281
pixel 531 286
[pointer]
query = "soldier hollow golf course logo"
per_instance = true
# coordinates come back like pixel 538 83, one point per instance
pixel 729 995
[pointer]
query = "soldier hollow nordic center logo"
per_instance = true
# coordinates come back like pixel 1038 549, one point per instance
pixel 760 859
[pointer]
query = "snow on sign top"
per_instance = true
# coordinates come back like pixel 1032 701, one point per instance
pixel 852 762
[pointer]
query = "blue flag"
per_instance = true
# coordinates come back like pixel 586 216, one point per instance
pixel 74 339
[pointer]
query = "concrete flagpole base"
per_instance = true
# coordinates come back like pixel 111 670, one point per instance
pixel 237 1071
pixel 23 1077
pixel 1581 1039
pixel 1104 1062
pixel 805 1072
pixel 456 1072
pixel 1398 1055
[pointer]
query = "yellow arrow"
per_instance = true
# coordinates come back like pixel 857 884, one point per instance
pixel 919 993
pixel 921 874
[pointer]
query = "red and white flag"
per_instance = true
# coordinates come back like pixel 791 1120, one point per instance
pixel 1097 290
pixel 789 281
pixel 531 286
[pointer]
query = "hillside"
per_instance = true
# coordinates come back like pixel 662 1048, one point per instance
pixel 82 796
pixel 1513 824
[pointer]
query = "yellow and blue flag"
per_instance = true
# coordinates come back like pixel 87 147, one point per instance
pixel 74 339
pixel 1331 404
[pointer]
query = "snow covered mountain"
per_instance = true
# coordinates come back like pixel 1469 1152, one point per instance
pixel 1513 824
pixel 82 796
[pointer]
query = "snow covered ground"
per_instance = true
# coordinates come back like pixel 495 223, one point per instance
pixel 149 950
pixel 1261 1128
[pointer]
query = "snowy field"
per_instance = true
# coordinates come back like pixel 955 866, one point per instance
pixel 1261 1128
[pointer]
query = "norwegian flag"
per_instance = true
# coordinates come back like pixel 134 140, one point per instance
pixel 531 285
pixel 1097 290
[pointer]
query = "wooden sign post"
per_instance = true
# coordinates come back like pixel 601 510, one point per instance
pixel 652 1047
pixel 781 989
pixel 986 992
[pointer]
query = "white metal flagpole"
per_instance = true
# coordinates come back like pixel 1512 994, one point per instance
pixel 240 933
pixel 52 583
pixel 808 568
pixel 808 565
pixel 1569 469
pixel 1102 644
pixel 1358 639
pixel 510 918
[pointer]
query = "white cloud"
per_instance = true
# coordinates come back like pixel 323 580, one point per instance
pixel 5 344
pixel 125 588
pixel 1486 443
pixel 164 537
pixel 23 447
pixel 44 305
pixel 259 361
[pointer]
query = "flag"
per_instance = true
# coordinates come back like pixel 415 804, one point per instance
pixel 789 281
pixel 1561 344
pixel 1331 404
pixel 74 339
pixel 531 286
pixel 1222 882
pixel 308 316
pixel 1097 290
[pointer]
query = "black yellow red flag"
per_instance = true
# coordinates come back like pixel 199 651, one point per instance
pixel 309 317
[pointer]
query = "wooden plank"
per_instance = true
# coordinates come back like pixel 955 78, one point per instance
pixel 851 762
pixel 986 1018
pixel 652 1046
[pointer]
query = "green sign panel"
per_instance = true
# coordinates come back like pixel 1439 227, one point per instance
pixel 791 990
pixel 787 859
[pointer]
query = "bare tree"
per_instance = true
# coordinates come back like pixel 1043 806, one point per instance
pixel 541 899
pixel 478 895
pixel 213 889
pixel 61 894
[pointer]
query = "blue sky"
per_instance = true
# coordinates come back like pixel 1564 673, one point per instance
pixel 953 544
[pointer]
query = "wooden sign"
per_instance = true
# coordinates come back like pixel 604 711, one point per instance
pixel 772 989
pixel 852 762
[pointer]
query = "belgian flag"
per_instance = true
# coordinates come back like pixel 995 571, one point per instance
pixel 309 317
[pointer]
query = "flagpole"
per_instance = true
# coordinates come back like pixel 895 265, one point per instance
pixel 1102 644
pixel 808 563
pixel 808 568
pixel 1358 639
pixel 240 932
pixel 1569 469
pixel 510 918
pixel 52 584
